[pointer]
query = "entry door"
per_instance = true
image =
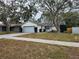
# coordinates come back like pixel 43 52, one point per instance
pixel 36 30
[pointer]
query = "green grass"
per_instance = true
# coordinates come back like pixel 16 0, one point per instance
pixel 11 49
pixel 2 33
pixel 54 36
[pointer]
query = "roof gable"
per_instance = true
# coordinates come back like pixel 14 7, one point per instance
pixel 28 23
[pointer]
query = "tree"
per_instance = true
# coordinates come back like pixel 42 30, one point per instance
pixel 15 11
pixel 54 9
pixel 4 14
pixel 71 18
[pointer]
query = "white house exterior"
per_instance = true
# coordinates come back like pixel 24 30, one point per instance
pixel 31 27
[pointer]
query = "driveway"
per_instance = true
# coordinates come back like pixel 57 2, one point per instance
pixel 52 42
pixel 11 35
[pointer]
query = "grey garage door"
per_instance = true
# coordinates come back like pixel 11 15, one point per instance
pixel 28 29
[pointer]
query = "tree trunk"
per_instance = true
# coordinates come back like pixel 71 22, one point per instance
pixel 8 27
pixel 56 24
pixel 58 29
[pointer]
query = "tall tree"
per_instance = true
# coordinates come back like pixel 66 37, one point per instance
pixel 15 11
pixel 54 9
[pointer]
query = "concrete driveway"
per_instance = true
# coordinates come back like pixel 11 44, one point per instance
pixel 52 42
pixel 11 35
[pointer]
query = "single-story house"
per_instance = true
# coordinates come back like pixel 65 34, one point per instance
pixel 28 27
pixel 32 27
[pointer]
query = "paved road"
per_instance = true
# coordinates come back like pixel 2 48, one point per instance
pixel 52 42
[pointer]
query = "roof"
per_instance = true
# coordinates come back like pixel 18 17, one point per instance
pixel 29 23
pixel 15 25
pixel 33 23
pixel 2 25
pixel 11 25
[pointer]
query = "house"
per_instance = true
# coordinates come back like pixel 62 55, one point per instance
pixel 28 27
pixel 32 27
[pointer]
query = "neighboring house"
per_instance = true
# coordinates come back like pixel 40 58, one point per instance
pixel 32 27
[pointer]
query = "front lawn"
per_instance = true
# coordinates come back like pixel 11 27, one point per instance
pixel 2 33
pixel 11 49
pixel 54 36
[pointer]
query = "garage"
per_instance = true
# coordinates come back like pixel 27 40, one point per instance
pixel 28 29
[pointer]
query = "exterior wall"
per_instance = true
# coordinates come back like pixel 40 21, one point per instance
pixel 0 28
pixel 42 28
pixel 75 30
pixel 39 27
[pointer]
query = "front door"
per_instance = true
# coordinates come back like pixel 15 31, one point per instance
pixel 35 29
